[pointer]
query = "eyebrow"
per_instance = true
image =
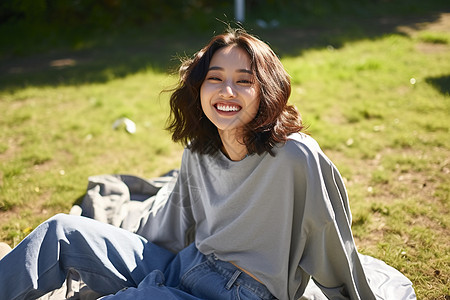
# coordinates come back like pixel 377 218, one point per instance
pixel 213 68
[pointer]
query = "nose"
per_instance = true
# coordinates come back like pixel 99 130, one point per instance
pixel 227 91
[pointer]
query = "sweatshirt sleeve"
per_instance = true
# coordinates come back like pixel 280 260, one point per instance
pixel 329 254
pixel 170 223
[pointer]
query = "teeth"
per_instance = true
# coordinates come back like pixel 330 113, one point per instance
pixel 223 107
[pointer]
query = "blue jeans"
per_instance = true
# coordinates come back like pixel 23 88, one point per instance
pixel 117 263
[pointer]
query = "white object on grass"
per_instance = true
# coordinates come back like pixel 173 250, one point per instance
pixel 130 126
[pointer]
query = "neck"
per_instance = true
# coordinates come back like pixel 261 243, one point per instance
pixel 233 147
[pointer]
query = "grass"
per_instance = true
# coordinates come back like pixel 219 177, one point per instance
pixel 375 98
pixel 433 37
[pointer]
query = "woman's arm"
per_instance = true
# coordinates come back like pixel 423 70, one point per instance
pixel 326 248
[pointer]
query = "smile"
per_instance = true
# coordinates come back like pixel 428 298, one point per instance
pixel 228 107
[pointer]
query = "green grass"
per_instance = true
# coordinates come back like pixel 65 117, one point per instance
pixel 376 101
pixel 433 37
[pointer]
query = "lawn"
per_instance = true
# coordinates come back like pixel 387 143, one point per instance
pixel 374 94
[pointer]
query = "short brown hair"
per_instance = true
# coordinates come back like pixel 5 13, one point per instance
pixel 275 120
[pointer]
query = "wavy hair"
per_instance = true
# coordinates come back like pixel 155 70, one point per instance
pixel 275 119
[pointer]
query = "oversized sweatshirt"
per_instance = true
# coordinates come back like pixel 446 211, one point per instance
pixel 284 218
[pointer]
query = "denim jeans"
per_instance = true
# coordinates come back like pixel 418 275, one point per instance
pixel 117 263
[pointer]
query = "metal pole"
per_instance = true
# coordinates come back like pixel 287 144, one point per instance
pixel 239 10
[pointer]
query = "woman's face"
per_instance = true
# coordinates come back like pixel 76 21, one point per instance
pixel 229 93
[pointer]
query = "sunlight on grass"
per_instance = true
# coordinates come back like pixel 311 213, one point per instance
pixel 434 37
pixel 69 130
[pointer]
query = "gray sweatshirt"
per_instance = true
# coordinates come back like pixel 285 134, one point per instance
pixel 284 218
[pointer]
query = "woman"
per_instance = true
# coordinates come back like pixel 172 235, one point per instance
pixel 268 209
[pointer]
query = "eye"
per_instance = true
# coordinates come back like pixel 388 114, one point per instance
pixel 245 81
pixel 213 78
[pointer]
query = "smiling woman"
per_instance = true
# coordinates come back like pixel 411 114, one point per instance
pixel 256 210
pixel 238 68
pixel 229 97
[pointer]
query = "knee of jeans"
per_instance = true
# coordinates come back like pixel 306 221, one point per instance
pixel 60 221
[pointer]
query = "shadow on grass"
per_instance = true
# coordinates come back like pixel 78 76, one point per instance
pixel 113 59
pixel 441 83
pixel 122 55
